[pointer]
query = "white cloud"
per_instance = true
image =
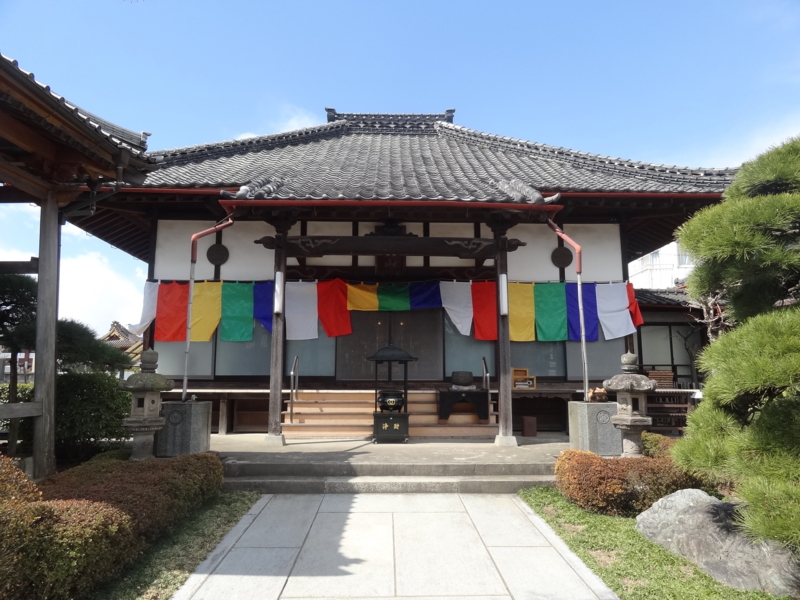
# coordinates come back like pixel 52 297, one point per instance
pixel 15 255
pixel 71 230
pixel 245 136
pixel 92 292
pixel 293 117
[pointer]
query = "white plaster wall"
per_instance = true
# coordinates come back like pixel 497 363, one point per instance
pixel 602 251
pixel 247 261
pixel 330 228
pixel 533 262
pixel 173 250
pixel 460 230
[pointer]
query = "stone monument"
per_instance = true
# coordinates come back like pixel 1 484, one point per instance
pixel 631 389
pixel 187 429
pixel 145 419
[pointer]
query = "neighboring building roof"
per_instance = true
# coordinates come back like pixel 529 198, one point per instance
pixel 118 136
pixel 668 297
pixel 411 157
pixel 120 337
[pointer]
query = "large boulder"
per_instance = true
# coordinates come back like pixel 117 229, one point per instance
pixel 700 528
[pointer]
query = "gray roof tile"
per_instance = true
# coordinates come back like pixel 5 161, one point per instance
pixel 413 157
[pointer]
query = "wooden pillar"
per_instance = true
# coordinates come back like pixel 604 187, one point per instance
pixel 506 435
pixel 275 436
pixel 44 460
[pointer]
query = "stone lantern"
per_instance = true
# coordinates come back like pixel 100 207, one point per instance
pixel 145 419
pixel 631 389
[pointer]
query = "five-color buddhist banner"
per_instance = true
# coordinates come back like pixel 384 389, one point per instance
pixel 545 312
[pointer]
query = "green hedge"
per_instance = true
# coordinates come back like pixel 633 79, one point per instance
pixel 93 521
pixel 88 413
pixel 24 394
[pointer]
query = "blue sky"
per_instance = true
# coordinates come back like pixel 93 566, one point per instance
pixel 691 83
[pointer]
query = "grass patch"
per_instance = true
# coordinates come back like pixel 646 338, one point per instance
pixel 166 565
pixel 635 568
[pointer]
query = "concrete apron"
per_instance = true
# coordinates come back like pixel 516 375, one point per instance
pixel 358 466
pixel 443 546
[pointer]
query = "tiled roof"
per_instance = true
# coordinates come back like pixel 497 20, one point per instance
pixel 120 336
pixel 134 141
pixel 413 157
pixel 667 297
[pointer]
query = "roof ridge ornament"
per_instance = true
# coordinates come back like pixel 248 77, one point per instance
pixel 446 116
pixel 522 192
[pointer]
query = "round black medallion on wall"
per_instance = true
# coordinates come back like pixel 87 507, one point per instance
pixel 217 254
pixel 561 257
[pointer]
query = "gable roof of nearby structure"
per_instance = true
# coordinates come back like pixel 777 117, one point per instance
pixel 411 157
pixel 120 336
pixel 134 141
pixel 665 297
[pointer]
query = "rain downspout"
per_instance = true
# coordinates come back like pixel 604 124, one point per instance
pixel 200 234
pixel 578 270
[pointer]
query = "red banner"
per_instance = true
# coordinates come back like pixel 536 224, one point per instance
pixel 332 307
pixel 173 300
pixel 484 309
pixel 633 306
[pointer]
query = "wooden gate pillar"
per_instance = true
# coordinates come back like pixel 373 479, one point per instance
pixel 506 434
pixel 500 222
pixel 275 435
pixel 44 460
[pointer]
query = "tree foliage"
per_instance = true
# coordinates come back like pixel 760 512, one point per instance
pixel 746 248
pixel 17 306
pixel 77 347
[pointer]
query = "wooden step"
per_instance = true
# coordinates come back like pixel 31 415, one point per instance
pixel 415 418
pixel 334 430
pixel 454 430
pixel 347 406
pixel 359 395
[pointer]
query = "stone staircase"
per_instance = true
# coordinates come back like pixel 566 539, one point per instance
pixel 344 477
pixel 348 414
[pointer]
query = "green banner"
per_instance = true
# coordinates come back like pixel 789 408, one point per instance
pixel 550 300
pixel 237 312
pixel 393 297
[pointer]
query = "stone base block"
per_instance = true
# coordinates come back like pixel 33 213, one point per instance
pixel 187 429
pixel 590 428
pixel 505 440
pixel 274 440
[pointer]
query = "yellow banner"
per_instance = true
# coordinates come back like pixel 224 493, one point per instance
pixel 362 296
pixel 521 316
pixel 206 310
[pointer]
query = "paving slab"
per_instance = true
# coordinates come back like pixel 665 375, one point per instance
pixel 391 503
pixel 345 555
pixel 249 573
pixel 500 523
pixel 539 574
pixel 283 523
pixel 442 554
pixel 381 546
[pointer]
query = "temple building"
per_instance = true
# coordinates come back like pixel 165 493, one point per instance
pixel 315 248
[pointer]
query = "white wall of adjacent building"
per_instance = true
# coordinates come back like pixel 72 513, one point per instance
pixel 659 269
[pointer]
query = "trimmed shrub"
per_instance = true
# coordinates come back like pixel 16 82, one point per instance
pixel 14 485
pixel 656 445
pixel 155 494
pixel 61 549
pixel 618 486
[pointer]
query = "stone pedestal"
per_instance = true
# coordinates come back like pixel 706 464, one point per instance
pixel 142 431
pixel 590 428
pixel 187 429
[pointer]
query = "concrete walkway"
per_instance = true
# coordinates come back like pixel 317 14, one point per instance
pixel 422 546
